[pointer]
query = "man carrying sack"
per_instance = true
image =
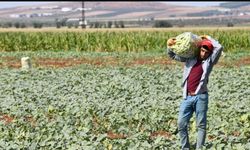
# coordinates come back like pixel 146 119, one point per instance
pixel 195 93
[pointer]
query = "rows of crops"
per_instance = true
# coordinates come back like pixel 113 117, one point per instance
pixel 112 40
pixel 76 108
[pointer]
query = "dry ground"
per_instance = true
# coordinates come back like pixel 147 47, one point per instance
pixel 13 62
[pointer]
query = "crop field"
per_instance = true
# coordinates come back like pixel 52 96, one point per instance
pixel 115 100
pixel 112 40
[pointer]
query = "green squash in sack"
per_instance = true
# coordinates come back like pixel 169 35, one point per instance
pixel 186 45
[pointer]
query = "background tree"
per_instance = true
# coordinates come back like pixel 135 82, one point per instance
pixel 22 25
pixel 121 23
pixel 17 25
pixel 162 24
pixel 110 24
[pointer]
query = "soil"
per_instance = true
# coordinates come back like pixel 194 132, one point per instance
pixel 13 62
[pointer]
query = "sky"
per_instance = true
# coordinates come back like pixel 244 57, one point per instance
pixel 7 4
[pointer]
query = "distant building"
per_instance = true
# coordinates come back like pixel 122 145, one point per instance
pixel 49 7
pixel 36 8
pixel 224 10
pixel 80 9
pixel 46 14
pixel 15 16
pixel 66 9
pixel 241 14
pixel 73 20
pixel 31 15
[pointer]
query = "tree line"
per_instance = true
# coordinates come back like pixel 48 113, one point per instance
pixel 58 23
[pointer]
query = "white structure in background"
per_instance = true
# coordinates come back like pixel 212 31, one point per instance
pixel 35 8
pixel 49 7
pixel 31 15
pixel 242 14
pixel 83 22
pixel 14 16
pixel 73 20
pixel 80 9
pixel 224 10
pixel 46 7
pixel 66 9
pixel 46 14
pixel 18 15
pixel 26 63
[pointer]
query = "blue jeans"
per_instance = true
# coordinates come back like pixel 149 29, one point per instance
pixel 199 105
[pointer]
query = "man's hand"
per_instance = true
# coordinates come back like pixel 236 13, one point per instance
pixel 205 37
pixel 171 41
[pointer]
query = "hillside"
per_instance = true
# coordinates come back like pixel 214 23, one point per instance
pixel 127 11
pixel 234 5
pixel 111 10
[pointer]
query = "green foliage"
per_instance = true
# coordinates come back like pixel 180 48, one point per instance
pixel 116 24
pixel 162 24
pixel 113 41
pixel 69 25
pixel 110 24
pixel 37 24
pixel 7 25
pixel 97 24
pixel 22 25
pixel 121 24
pixel 17 25
pixel 230 24
pixel 76 107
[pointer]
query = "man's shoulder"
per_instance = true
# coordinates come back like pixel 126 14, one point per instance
pixel 191 60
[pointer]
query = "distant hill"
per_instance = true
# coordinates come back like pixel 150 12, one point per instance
pixel 234 4
pixel 96 11
pixel 103 10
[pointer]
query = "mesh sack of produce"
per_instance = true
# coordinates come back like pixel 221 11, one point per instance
pixel 186 45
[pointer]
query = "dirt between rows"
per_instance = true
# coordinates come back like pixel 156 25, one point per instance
pixel 13 62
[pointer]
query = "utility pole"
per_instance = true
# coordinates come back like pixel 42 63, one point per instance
pixel 83 21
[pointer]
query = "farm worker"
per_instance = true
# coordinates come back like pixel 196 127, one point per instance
pixel 195 92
